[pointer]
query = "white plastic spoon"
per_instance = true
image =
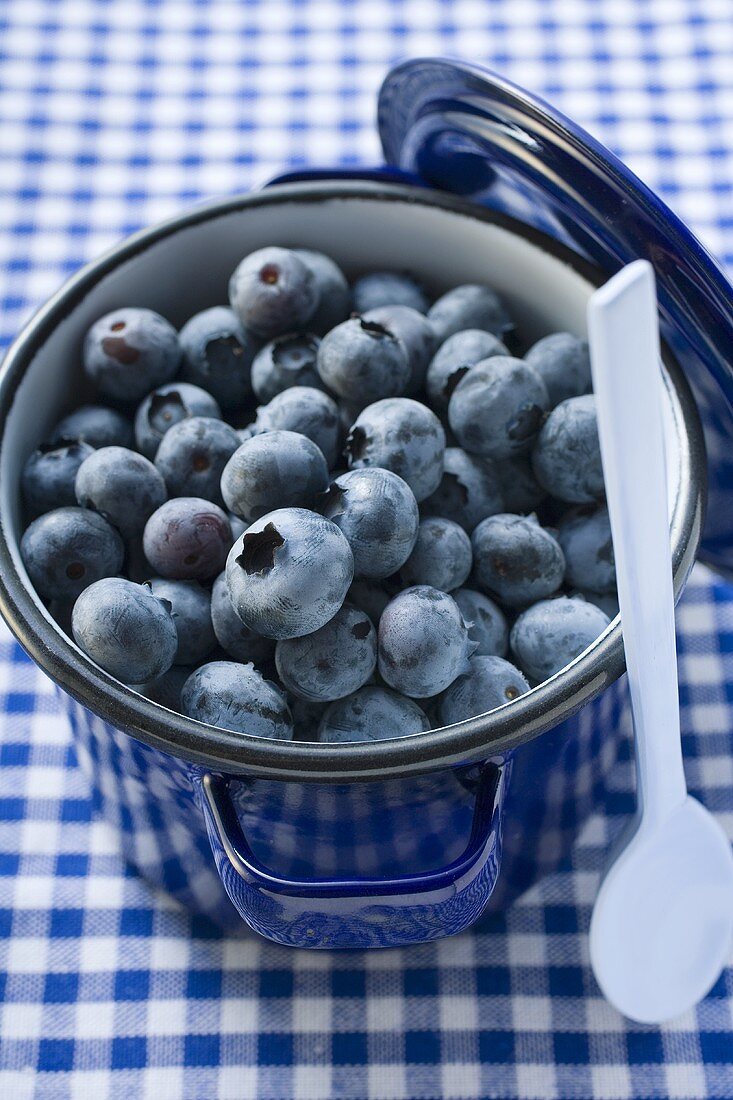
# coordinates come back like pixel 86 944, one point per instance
pixel 662 925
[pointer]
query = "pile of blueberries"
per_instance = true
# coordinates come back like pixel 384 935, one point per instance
pixel 326 511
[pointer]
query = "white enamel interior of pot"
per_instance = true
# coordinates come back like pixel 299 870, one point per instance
pixel 186 271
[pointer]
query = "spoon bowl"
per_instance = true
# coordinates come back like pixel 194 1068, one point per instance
pixel 662 925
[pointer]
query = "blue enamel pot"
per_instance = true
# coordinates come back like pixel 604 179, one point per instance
pixel 406 839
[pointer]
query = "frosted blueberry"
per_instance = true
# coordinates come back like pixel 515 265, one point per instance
pixel 489 682
pixel 308 411
pixel 286 361
pixel 273 291
pixel 454 359
pixel 403 436
pixel 237 697
pixel 377 512
pixel 190 605
pixel 564 363
pixel 166 406
pixel 129 351
pixel 363 361
pixel 126 629
pixel 334 294
pixel 372 714
pixel 217 355
pixel 289 573
pixel 516 560
pixel 122 486
pixel 49 474
pixel 585 537
pixel 441 556
pixel 68 549
pixel 423 642
pixel 469 306
pixel 487 625
pixel 277 469
pixel 567 454
pixel 332 662
pixel 239 642
pixel 192 457
pixel 498 407
pixel 552 633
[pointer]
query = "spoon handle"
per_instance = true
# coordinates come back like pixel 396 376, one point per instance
pixel 625 359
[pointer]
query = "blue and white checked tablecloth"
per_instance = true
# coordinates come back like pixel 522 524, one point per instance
pixel 113 115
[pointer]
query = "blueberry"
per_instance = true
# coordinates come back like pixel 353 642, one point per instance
pixel 193 454
pixel 237 697
pixel 415 332
pixel 490 682
pixel 96 425
pixel 129 351
pixel 423 642
pixel 567 454
pixel 122 486
pixel 125 629
pixel 217 355
pixel 521 490
pixel 564 363
pixel 370 597
pixel 606 601
pixel 333 661
pixel 441 556
pixel 403 436
pixel 486 623
pixel 377 512
pixel 334 294
pixel 48 476
pixel 454 358
pixel 362 361
pixel 371 714
pixel 190 605
pixel 273 291
pixel 165 690
pixel 469 306
pixel 497 408
pixel 68 549
pixel 469 490
pixel 233 636
pixel 552 633
pixel 585 537
pixel 516 560
pixel 388 288
pixel 308 411
pixel 287 361
pixel 289 573
pixel 187 539
pixel 274 470
pixel 167 406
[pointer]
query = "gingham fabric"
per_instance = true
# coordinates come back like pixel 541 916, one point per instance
pixel 116 114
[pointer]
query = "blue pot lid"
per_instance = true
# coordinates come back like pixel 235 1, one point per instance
pixel 466 130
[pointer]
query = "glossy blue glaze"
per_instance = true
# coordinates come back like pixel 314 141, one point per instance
pixel 351 865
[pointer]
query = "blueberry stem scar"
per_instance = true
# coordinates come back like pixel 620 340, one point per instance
pixel 356 444
pixel 332 501
pixel 258 555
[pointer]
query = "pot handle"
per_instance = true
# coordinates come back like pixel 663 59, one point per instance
pixel 379 174
pixel 358 912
